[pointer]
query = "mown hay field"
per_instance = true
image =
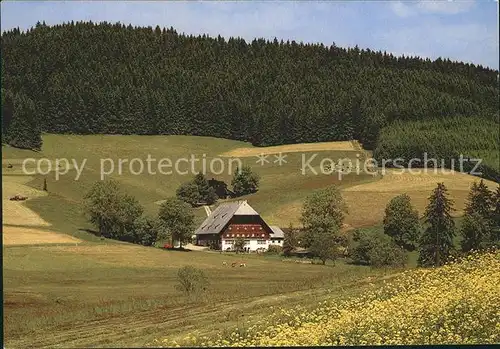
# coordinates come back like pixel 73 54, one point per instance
pixel 16 212
pixel 291 148
pixel 456 304
pixel 366 201
pixel 30 236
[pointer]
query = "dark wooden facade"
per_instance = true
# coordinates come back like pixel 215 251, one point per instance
pixel 239 226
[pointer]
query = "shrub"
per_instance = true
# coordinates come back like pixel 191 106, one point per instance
pixel 376 249
pixel 239 245
pixel 274 249
pixel 146 230
pixel 191 280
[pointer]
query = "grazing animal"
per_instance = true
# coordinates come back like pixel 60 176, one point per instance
pixel 224 263
pixel 233 264
pixel 243 265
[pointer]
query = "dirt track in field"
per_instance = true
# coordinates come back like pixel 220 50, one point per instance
pixel 142 328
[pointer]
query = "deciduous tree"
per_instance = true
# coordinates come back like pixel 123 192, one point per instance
pixel 401 222
pixel 178 219
pixel 110 210
pixel 323 213
pixel 290 241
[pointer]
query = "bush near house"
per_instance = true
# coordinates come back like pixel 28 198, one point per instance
pixel 376 249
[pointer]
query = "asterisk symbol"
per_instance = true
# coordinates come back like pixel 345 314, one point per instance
pixel 280 159
pixel 262 159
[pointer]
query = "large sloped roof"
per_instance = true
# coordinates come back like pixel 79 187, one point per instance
pixel 277 232
pixel 218 219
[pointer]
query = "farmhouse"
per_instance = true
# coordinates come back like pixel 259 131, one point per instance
pixel 233 220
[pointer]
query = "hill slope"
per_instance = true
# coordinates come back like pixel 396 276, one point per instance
pixel 279 199
pixel 110 78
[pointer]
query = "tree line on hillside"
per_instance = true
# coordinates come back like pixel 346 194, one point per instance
pixel 20 125
pixel 444 140
pixel 88 78
pixel 323 213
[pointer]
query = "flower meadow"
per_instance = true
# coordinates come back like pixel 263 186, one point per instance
pixel 458 303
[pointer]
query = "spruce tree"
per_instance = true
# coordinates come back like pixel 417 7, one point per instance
pixel 495 232
pixel 206 193
pixel 478 226
pixel 476 232
pixel 436 242
pixel 24 130
pixel 479 200
pixel 268 93
pixel 245 181
pixel 7 112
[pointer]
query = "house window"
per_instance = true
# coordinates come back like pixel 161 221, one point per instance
pixel 263 235
pixel 253 235
pixel 229 228
pixel 260 228
pixel 272 241
pixel 261 242
pixel 229 242
pixel 247 242
pixel 237 235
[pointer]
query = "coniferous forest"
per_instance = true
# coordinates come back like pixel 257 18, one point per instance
pixel 87 78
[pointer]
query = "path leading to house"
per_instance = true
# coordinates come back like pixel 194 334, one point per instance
pixel 195 248
pixel 208 211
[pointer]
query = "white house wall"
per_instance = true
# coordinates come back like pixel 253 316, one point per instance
pixel 253 244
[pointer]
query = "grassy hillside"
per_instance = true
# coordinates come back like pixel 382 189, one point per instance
pixel 279 199
pixel 279 184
